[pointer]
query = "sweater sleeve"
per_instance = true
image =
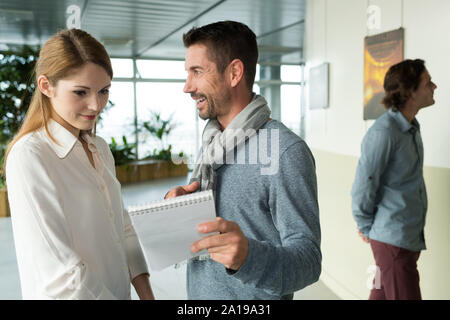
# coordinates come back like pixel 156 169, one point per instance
pixel 296 263
pixel 375 154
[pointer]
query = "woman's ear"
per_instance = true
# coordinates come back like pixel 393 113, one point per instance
pixel 45 86
pixel 236 72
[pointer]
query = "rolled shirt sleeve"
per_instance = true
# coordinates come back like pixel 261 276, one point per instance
pixel 376 151
pixel 136 260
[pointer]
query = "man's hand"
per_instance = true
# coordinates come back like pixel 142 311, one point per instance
pixel 229 248
pixel 363 237
pixel 179 191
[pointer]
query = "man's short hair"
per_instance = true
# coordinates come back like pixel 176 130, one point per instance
pixel 400 81
pixel 226 41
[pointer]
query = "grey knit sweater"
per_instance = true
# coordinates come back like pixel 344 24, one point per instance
pixel 276 207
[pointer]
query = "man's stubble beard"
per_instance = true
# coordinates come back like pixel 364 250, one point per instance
pixel 211 113
pixel 213 110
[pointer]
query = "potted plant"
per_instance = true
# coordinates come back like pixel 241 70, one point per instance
pixel 16 89
pixel 4 205
pixel 162 156
pixel 157 164
pixel 124 154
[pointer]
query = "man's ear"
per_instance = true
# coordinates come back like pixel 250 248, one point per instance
pixel 45 86
pixel 412 94
pixel 236 72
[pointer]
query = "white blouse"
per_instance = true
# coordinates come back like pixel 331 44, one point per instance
pixel 73 238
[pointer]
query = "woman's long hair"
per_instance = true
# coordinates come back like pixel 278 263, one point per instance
pixel 61 55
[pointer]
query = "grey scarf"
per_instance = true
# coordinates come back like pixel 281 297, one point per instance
pixel 216 144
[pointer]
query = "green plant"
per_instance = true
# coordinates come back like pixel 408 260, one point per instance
pixel 2 181
pixel 123 153
pixel 16 89
pixel 160 130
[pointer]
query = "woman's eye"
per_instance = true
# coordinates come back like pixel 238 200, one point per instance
pixel 104 91
pixel 80 93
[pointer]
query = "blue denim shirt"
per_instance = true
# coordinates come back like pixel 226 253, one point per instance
pixel 389 200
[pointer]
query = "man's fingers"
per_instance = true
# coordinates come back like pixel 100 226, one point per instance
pixel 213 241
pixel 204 243
pixel 218 225
pixel 171 194
pixel 229 248
pixel 363 237
pixel 191 187
pixel 179 191
pixel 210 226
pixel 218 249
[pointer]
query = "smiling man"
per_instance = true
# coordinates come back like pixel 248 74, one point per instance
pixel 267 241
pixel 389 199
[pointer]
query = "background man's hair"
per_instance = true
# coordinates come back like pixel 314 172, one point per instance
pixel 401 79
pixel 226 41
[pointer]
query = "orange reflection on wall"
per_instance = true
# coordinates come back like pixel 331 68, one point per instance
pixel 381 51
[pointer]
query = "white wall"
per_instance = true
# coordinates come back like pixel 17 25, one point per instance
pixel 335 32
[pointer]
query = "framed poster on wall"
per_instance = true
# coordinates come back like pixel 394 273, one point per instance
pixel 381 51
pixel 318 86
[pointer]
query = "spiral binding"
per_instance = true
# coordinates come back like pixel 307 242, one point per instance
pixel 181 201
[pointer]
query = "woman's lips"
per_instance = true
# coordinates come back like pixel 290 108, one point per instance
pixel 89 117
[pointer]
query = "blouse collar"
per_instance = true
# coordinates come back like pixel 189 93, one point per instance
pixel 65 139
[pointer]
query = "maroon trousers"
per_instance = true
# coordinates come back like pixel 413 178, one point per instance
pixel 399 275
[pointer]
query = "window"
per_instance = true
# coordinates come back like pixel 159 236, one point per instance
pixel 166 98
pixel 159 88
pixel 122 68
pixel 257 72
pixel 161 69
pixel 118 120
pixel 256 89
pixel 291 107
pixel 291 73
pixel 291 96
pixel 169 100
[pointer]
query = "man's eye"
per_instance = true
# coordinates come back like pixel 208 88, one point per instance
pixel 80 93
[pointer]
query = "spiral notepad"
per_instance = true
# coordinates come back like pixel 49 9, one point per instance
pixel 167 228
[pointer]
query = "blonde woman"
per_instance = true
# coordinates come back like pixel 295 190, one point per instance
pixel 73 238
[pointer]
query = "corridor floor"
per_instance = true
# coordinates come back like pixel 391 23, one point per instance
pixel 168 284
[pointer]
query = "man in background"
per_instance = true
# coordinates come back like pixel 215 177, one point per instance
pixel 267 244
pixel 389 199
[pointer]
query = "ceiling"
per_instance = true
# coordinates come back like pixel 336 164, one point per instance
pixel 154 28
